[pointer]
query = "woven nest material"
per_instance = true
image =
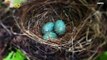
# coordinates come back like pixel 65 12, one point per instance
pixel 82 20
pixel 85 31
pixel 79 19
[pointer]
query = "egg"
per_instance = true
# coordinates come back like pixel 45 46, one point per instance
pixel 49 36
pixel 48 27
pixel 60 27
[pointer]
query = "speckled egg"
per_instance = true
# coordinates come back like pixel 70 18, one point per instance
pixel 48 27
pixel 60 27
pixel 49 36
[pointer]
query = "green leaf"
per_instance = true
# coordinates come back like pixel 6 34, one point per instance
pixel 16 3
pixel 9 56
pixel 0 3
pixel 102 56
pixel 18 55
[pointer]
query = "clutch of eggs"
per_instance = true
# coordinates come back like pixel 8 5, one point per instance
pixel 50 30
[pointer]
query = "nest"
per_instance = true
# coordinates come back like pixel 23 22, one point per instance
pixel 82 20
pixel 85 30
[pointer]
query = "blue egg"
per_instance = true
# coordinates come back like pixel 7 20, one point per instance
pixel 60 27
pixel 48 27
pixel 49 36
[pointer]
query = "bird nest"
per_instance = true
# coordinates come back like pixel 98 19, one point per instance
pixel 84 28
pixel 82 21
